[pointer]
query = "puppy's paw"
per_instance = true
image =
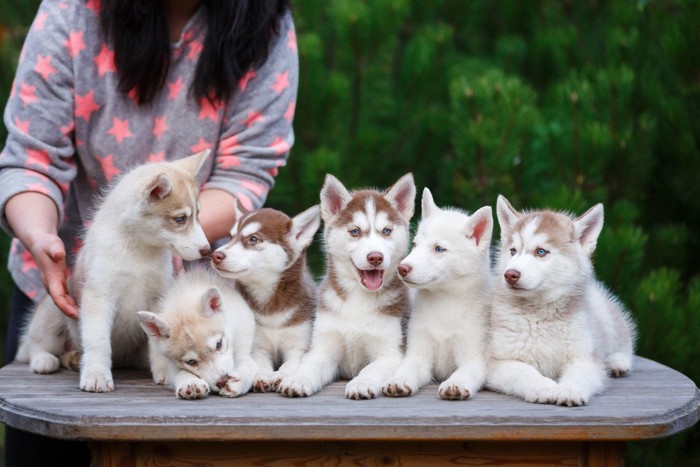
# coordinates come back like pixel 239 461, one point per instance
pixel 95 380
pixel 44 363
pixel 452 390
pixel 71 360
pixel 359 390
pixel 297 386
pixel 571 396
pixel 399 388
pixel 544 394
pixel 619 364
pixel 234 387
pixel 195 389
pixel 158 377
pixel 264 382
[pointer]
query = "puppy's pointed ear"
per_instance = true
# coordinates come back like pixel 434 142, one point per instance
pixel 239 212
pixel 193 164
pixel 211 302
pixel 402 195
pixel 159 188
pixel 334 197
pixel 428 206
pixel 588 227
pixel 480 227
pixel 507 215
pixel 154 325
pixel 305 225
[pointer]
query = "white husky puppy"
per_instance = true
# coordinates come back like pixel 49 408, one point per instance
pixel 267 257
pixel 201 337
pixel 124 264
pixel 556 330
pixel 357 333
pixel 449 267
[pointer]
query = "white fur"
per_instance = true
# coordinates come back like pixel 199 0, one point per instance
pixel 279 346
pixel 199 312
pixel 449 267
pixel 352 338
pixel 125 263
pixel 557 330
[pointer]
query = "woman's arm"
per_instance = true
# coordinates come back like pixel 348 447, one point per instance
pixel 33 218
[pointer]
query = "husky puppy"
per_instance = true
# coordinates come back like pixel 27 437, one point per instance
pixel 202 336
pixel 125 263
pixel 357 333
pixel 556 330
pixel 267 257
pixel 449 267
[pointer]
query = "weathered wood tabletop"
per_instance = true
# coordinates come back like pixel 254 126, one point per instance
pixel 654 401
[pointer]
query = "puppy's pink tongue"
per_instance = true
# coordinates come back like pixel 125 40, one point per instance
pixel 372 279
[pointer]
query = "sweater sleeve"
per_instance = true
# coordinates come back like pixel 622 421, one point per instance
pixel 257 133
pixel 38 155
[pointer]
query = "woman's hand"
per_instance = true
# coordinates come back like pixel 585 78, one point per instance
pixel 33 218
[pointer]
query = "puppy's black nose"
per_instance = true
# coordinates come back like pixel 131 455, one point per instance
pixel 512 276
pixel 404 269
pixel 217 257
pixel 204 252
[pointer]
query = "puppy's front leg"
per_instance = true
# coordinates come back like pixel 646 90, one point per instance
pixel 189 386
pixel 470 374
pixel 242 378
pixel 368 383
pixel 96 320
pixel 415 370
pixel 318 367
pixel 264 379
pixel 581 380
pixel 519 379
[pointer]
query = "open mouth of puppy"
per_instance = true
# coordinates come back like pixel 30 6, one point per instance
pixel 371 279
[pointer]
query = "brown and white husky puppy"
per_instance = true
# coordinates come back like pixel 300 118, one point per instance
pixel 124 265
pixel 358 328
pixel 267 257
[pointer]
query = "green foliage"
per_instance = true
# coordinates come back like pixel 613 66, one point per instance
pixel 553 104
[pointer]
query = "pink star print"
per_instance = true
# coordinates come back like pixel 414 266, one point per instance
pixel 252 118
pixel 38 158
pixel 27 94
pixel 85 105
pixel 227 144
pixel 292 40
pixel 159 126
pixel 133 95
pixel 280 146
pixel 175 88
pixel 157 157
pixel 105 61
pixel 226 161
pixel 44 67
pixel 256 188
pixel 68 129
pixel 195 49
pixel 108 168
pixel 94 5
pixel 37 188
pixel 200 146
pixel 289 114
pixel 40 20
pixel 245 201
pixel 120 130
pixel 28 261
pixel 209 110
pixel 281 82
pixel 243 83
pixel 75 43
pixel 22 125
pixel 275 170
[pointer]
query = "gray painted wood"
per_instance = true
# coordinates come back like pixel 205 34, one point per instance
pixel 654 401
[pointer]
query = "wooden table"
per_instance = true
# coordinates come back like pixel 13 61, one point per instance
pixel 141 423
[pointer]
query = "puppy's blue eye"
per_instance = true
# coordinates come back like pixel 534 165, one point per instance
pixel 191 362
pixel 513 251
pixel 387 231
pixel 439 249
pixel 541 252
pixel 253 239
pixel 355 232
pixel 179 219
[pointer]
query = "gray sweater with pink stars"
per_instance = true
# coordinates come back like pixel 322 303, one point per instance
pixel 71 132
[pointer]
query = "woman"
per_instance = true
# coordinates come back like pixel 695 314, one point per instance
pixel 103 86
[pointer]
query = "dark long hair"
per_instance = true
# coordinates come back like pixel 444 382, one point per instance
pixel 238 39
